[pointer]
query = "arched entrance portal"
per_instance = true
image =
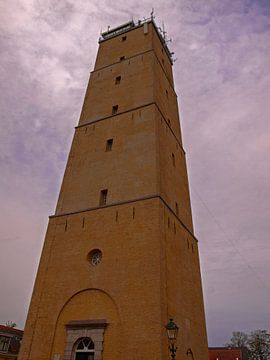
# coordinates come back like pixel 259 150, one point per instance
pixel 85 349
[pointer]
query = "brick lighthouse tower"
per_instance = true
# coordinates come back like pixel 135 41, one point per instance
pixel 120 257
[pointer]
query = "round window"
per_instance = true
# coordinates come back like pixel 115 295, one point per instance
pixel 95 257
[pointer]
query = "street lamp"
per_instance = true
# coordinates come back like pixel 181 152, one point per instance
pixel 172 331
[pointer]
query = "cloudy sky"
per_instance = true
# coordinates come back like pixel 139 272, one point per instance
pixel 222 77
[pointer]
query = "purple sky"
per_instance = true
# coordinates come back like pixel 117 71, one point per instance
pixel 222 77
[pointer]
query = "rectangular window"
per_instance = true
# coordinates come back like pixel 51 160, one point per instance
pixel 176 209
pixel 122 58
pixel 4 343
pixel 124 38
pixel 114 109
pixel 109 145
pixel 103 197
pixel 167 94
pixel 117 80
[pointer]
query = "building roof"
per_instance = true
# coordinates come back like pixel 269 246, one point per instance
pixel 10 330
pixel 226 353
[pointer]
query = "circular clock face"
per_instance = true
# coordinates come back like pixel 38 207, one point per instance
pixel 95 257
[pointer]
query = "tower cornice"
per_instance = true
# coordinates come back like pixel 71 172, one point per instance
pixel 124 202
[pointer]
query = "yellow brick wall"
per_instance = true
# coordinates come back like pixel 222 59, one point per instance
pixel 134 90
pixel 126 282
pixel 150 266
pixel 111 50
pixel 128 171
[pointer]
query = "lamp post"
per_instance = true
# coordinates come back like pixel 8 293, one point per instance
pixel 172 331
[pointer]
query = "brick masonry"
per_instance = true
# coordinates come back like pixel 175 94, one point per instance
pixel 149 269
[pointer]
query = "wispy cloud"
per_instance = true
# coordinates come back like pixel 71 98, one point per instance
pixel 222 78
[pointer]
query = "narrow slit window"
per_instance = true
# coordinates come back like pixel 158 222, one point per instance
pixel 103 197
pixel 109 145
pixel 124 38
pixel 117 80
pixel 176 208
pixel 173 159
pixel 167 94
pixel 114 109
pixel 122 58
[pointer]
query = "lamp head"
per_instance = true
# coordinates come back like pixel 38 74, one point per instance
pixel 172 330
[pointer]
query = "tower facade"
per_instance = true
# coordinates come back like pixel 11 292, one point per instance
pixel 120 257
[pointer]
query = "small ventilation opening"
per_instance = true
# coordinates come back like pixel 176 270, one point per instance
pixel 109 144
pixel 114 109
pixel 176 208
pixel 122 58
pixel 173 159
pixel 124 38
pixel 117 80
pixel 103 197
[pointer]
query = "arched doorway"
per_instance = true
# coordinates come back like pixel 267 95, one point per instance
pixel 85 349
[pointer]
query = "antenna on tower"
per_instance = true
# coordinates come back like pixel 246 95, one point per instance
pixel 152 14
pixel 164 32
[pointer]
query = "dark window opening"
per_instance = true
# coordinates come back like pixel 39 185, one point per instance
pixel 85 348
pixel 173 159
pixel 176 209
pixel 122 58
pixel 169 122
pixel 167 94
pixel 4 343
pixel 103 197
pixel 109 145
pixel 114 109
pixel 117 80
pixel 124 38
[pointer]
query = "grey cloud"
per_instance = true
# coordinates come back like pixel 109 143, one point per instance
pixel 221 76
